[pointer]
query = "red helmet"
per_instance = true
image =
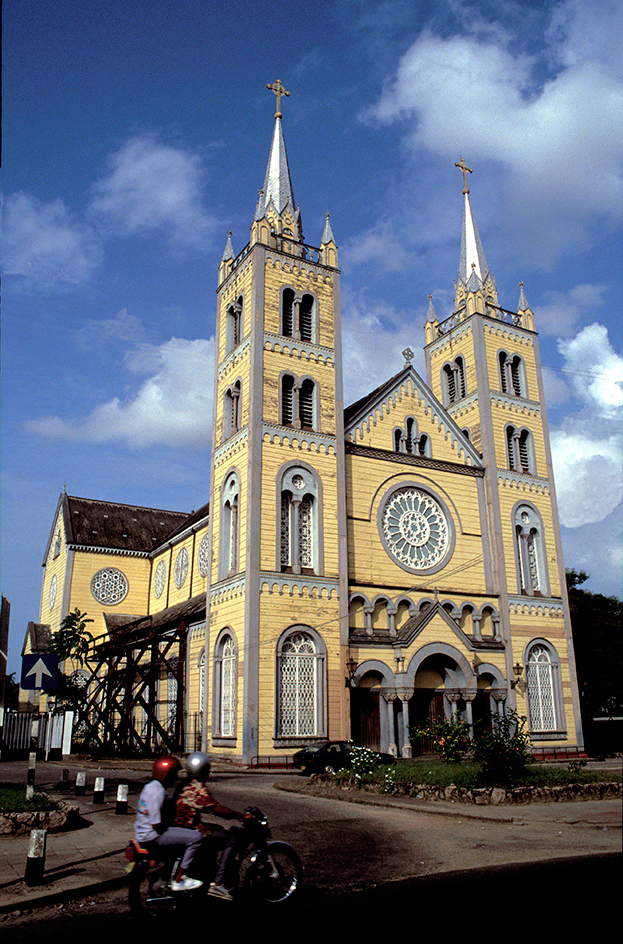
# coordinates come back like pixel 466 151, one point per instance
pixel 164 767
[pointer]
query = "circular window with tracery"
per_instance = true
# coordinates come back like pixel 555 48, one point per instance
pixel 160 579
pixel 415 529
pixel 181 567
pixel 204 556
pixel 109 586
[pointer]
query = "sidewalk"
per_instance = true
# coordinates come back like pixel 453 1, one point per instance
pixel 90 859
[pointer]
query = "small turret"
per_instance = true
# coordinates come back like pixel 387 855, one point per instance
pixel 523 309
pixel 328 245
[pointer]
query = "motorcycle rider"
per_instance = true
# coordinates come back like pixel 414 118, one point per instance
pixel 192 801
pixel 152 830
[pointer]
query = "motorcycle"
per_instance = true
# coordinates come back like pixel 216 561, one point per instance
pixel 269 870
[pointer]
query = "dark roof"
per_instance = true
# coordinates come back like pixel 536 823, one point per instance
pixel 361 406
pixel 132 528
pixel 126 629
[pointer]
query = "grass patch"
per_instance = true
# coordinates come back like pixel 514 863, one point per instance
pixel 13 800
pixel 470 775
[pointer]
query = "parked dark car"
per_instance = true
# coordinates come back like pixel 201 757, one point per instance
pixel 333 754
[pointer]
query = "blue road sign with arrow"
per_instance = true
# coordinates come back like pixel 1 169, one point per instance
pixel 39 670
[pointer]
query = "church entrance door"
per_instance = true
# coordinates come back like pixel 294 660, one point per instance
pixel 426 704
pixel 366 718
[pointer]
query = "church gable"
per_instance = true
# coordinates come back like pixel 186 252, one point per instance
pixel 403 416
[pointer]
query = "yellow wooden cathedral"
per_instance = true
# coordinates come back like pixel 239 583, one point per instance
pixel 355 571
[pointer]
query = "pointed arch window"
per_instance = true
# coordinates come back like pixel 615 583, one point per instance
pixel 287 312
pixel 306 404
pixel 232 410
pixel 233 325
pixel 543 687
pixel 410 440
pixel 229 545
pixel 298 402
pixel 520 450
pixel 300 544
pixel 530 550
pixel 225 673
pixel 306 318
pixel 301 684
pixel 455 387
pixel 287 400
pixel 512 374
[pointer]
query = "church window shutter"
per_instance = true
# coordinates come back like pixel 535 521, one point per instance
pixel 287 313
pixel 287 400
pixel 306 404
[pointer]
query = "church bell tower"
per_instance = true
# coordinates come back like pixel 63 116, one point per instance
pixel 277 638
pixel 483 364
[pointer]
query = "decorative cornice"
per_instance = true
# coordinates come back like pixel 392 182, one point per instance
pixel 299 585
pixel 228 589
pixel 302 439
pixel 301 350
pixel 115 551
pixel 234 358
pixel 231 447
pixel 534 606
pixel 405 458
pixel 516 404
pixel 527 483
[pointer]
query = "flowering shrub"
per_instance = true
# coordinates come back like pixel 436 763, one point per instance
pixel 451 738
pixel 503 750
pixel 363 761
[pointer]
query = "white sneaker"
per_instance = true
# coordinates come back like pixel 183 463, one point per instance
pixel 186 884
pixel 219 891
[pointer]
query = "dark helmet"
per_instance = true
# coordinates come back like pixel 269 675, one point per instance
pixel 198 766
pixel 165 767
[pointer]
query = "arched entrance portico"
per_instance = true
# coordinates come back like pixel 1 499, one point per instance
pixel 371 699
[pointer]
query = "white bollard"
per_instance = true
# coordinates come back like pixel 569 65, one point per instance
pixel 122 799
pixel 80 784
pixel 98 790
pixel 35 863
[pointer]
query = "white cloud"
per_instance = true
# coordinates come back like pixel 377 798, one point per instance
pixel 474 94
pixel 45 246
pixel 154 186
pixel 597 370
pixel 587 448
pixel 374 336
pixel 561 312
pixel 172 407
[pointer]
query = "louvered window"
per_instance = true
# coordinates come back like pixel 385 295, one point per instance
pixel 306 404
pixel 287 313
pixel 305 318
pixel 287 400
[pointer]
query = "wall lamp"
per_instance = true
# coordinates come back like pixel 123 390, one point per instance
pixel 351 668
pixel 518 681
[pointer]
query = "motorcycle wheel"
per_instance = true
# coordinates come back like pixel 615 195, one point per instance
pixel 276 873
pixel 148 889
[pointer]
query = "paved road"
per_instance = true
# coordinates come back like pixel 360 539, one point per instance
pixel 409 867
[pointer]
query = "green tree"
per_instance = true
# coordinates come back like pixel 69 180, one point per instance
pixel 72 640
pixel 598 644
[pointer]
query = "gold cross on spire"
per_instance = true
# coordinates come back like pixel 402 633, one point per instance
pixel 466 170
pixel 279 90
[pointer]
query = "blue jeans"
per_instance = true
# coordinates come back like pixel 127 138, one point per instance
pixel 187 842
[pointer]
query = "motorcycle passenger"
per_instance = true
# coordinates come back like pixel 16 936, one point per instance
pixel 193 801
pixel 151 828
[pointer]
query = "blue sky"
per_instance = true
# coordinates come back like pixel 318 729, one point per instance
pixel 136 134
